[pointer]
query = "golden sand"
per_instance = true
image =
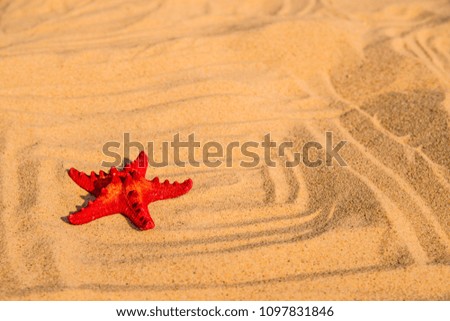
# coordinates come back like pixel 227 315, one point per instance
pixel 77 74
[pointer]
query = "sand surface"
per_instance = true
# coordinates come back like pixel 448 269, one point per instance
pixel 77 74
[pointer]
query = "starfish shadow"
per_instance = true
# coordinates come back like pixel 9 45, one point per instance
pixel 131 224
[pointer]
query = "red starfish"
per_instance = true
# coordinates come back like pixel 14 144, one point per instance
pixel 126 192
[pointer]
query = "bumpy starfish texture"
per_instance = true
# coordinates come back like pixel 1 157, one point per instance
pixel 127 192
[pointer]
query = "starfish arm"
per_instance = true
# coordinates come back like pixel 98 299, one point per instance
pixel 108 202
pixel 140 164
pixel 157 191
pixel 83 180
pixel 91 183
pixel 140 217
